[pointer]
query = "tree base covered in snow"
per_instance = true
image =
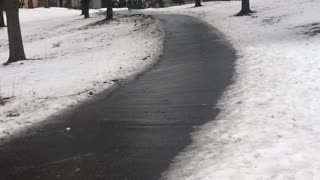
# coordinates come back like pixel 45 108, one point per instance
pixel 70 59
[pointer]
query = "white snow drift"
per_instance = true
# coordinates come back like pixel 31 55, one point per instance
pixel 69 61
pixel 269 126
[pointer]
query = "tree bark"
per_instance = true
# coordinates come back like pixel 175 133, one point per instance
pixel 21 4
pixel 245 9
pixel 15 37
pixel 85 8
pixel 46 3
pixel 69 4
pixel 161 3
pixel 197 3
pixel 1 19
pixel 30 3
pixel 82 7
pixel 109 10
pixel 129 5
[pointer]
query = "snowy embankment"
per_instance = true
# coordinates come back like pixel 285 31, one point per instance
pixel 71 59
pixel 269 124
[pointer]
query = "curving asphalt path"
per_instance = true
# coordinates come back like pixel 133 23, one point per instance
pixel 136 131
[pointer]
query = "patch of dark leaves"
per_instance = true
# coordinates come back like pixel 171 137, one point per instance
pixel 271 20
pixel 310 30
pixel 99 23
pixel 13 114
pixel 115 80
pixel 3 101
pixel 117 19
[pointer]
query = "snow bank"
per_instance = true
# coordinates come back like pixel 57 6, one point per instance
pixel 71 58
pixel 269 125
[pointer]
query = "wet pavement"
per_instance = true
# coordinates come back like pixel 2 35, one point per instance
pixel 134 132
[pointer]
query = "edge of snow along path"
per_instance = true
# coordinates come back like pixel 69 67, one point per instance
pixel 71 60
pixel 268 127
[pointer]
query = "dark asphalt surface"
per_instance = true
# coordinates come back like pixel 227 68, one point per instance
pixel 136 131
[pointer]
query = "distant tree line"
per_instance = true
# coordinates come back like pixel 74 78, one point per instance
pixel 11 7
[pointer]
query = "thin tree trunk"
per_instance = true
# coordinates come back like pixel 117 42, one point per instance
pixel 109 10
pixel 15 37
pixel 82 7
pixel 197 3
pixel 69 4
pixel 129 5
pixel 30 3
pixel 86 4
pixel 1 19
pixel 21 4
pixel 46 3
pixel 161 3
pixel 245 9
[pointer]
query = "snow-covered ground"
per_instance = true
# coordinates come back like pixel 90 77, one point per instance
pixel 71 59
pixel 269 125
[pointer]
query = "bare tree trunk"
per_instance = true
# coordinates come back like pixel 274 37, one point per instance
pixel 197 3
pixel 30 3
pixel 245 9
pixel 69 4
pixel 161 3
pixel 129 5
pixel 109 10
pixel 21 4
pixel 85 8
pixel 14 34
pixel 1 19
pixel 82 7
pixel 46 3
